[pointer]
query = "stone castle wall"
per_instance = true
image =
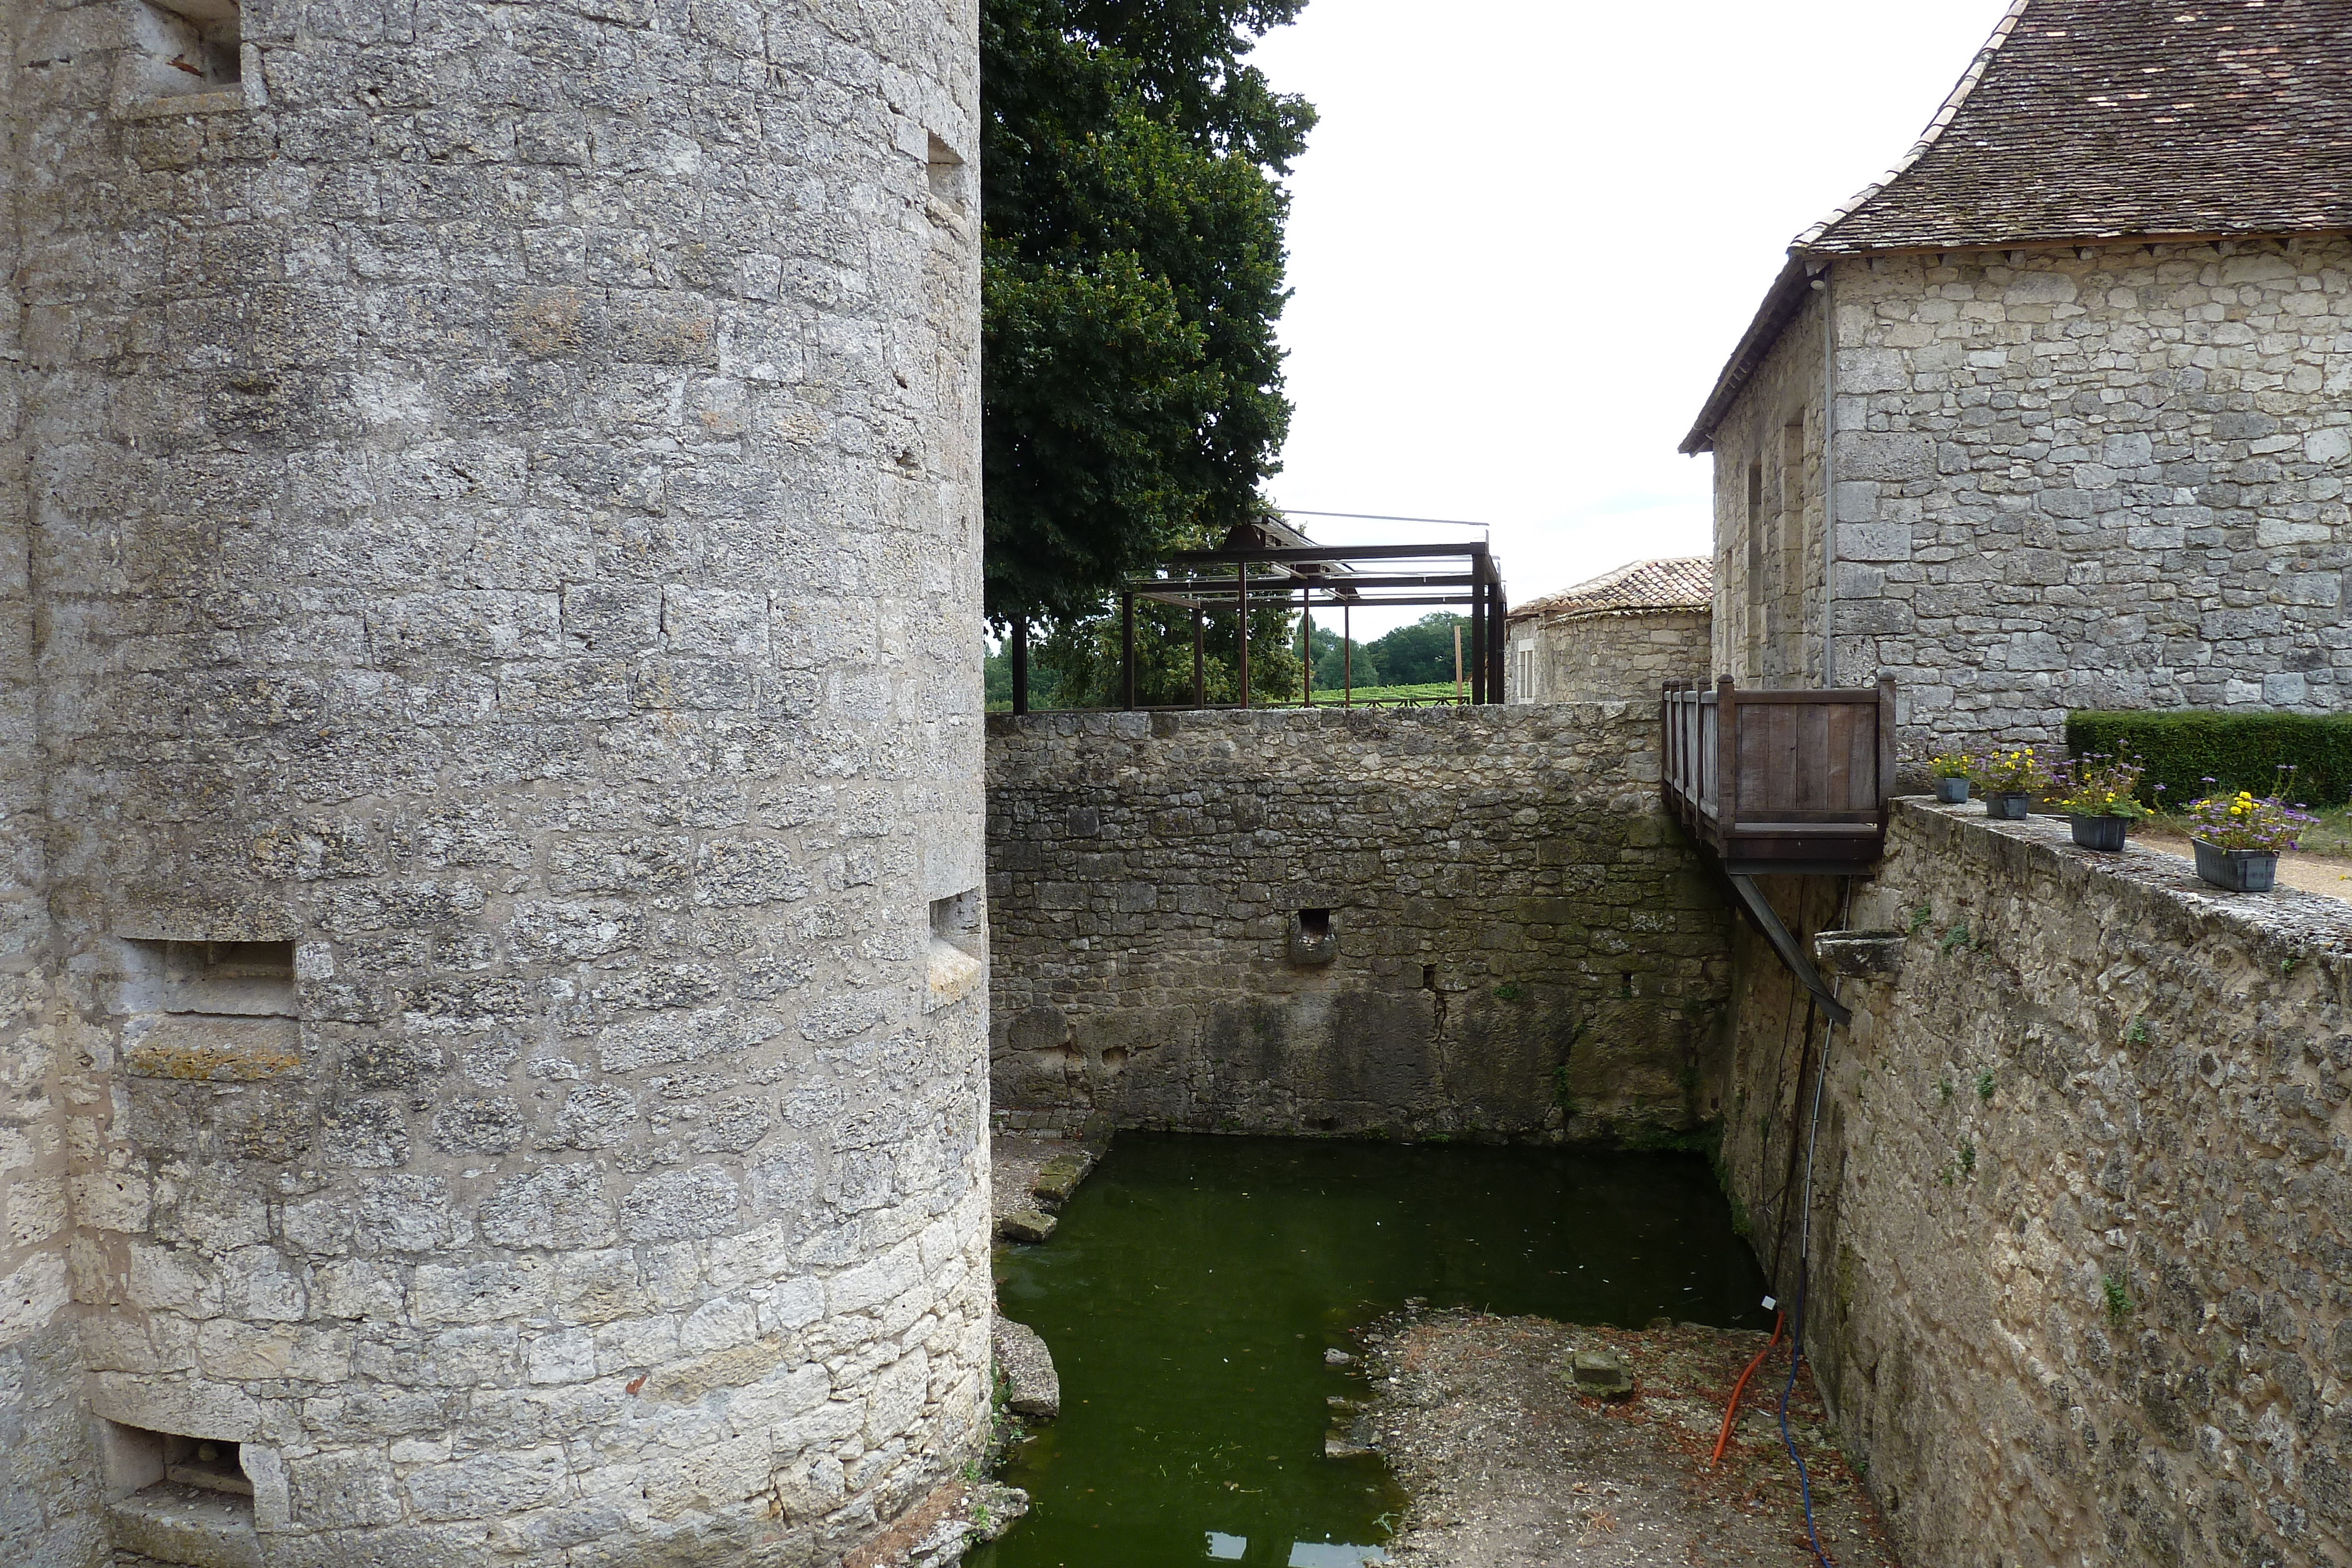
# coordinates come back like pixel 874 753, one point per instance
pixel 506 542
pixel 2113 478
pixel 1605 658
pixel 48 1493
pixel 1769 564
pixel 1519 944
pixel 2082 1220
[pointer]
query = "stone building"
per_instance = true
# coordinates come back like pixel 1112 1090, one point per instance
pixel 2072 379
pixel 496 1046
pixel 1616 638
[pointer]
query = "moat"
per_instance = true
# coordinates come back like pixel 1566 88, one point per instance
pixel 1201 1291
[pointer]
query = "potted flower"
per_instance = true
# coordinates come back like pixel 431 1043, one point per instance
pixel 2011 779
pixel 2100 795
pixel 2239 838
pixel 1951 772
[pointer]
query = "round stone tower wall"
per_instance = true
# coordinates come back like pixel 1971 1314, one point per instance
pixel 506 552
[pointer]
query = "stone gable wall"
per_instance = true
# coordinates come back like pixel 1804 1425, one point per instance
pixel 508 534
pixel 1524 946
pixel 1769 563
pixel 1606 658
pixel 2106 479
pixel 2083 1226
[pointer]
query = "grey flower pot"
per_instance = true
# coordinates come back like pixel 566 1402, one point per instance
pixel 2100 833
pixel 1951 791
pixel 2237 871
pixel 2007 808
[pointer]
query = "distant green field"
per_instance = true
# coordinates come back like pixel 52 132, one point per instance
pixel 1428 691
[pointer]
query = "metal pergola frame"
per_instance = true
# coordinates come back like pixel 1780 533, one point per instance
pixel 1310 577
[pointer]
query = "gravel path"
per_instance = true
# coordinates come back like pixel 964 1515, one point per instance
pixel 1509 1468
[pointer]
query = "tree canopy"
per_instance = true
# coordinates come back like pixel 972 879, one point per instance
pixel 1131 274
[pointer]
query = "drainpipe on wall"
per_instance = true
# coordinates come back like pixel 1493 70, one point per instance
pixel 1828 478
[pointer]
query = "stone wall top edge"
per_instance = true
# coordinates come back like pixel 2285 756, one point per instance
pixel 2163 886
pixel 1144 725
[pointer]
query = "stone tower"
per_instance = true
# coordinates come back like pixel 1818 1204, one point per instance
pixel 490 745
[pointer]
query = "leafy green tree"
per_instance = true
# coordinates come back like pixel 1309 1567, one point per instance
pixel 1333 668
pixel 1131 275
pixel 1082 658
pixel 1423 652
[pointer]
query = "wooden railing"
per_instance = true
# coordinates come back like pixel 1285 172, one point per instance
pixel 1781 781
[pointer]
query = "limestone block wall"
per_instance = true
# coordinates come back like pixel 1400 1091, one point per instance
pixel 507 536
pixel 2105 478
pixel 1456 921
pixel 48 1493
pixel 1606 658
pixel 2083 1225
pixel 1770 564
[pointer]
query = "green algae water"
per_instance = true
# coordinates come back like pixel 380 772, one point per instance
pixel 1196 1283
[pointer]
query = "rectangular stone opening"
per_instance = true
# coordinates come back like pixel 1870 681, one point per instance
pixel 178 1498
pixel 949 173
pixel 956 952
pixel 207 1463
pixel 183 48
pixel 1315 924
pixel 242 979
pixel 217 1011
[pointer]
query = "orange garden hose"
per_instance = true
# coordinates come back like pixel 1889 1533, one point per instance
pixel 1741 1388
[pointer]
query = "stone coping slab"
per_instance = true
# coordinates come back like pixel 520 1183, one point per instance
pixel 2162 883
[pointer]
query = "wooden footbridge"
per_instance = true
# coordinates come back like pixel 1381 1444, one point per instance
pixel 1781 783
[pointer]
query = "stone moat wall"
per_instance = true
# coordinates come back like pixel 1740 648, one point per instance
pixel 2082 1228
pixel 1519 944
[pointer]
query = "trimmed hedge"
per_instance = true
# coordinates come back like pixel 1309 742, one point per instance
pixel 2185 747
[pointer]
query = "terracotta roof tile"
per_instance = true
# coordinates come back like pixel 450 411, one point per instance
pixel 1643 587
pixel 2118 119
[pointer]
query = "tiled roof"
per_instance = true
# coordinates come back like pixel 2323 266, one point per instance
pixel 1644 588
pixel 2126 118
pixel 2101 119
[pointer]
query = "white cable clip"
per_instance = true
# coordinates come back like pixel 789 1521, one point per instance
pixel 1769 1303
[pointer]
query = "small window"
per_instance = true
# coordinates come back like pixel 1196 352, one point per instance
pixel 949 174
pixel 957 955
pixel 246 979
pixel 137 1459
pixel 1314 940
pixel 185 49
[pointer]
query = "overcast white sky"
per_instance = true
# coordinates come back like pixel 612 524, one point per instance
pixel 1526 234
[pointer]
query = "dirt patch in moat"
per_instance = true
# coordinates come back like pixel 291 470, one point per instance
pixel 1508 1466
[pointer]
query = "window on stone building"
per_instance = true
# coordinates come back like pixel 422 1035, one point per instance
pixel 1754 528
pixel 183 55
pixel 957 956
pixel 1791 551
pixel 248 980
pixel 200 1481
pixel 949 174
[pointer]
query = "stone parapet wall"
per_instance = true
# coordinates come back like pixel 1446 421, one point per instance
pixel 2112 478
pixel 1524 947
pixel 2083 1225
pixel 1606 658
